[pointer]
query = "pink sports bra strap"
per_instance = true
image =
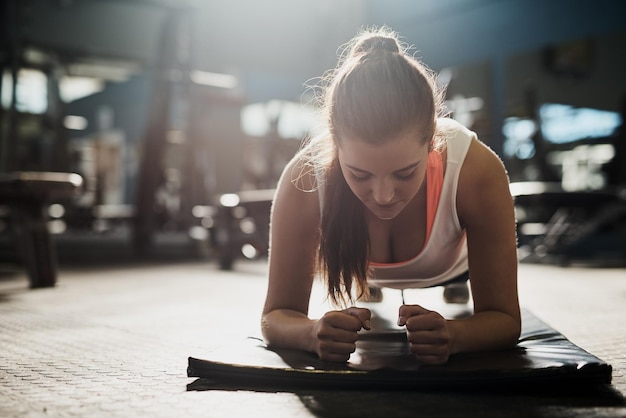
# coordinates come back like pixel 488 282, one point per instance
pixel 434 185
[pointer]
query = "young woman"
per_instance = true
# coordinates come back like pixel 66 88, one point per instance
pixel 391 195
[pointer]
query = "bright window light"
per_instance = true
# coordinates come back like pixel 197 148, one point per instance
pixel 205 78
pixel 562 123
pixel 73 88
pixel 32 91
pixel 294 120
pixel 254 120
pixel 75 123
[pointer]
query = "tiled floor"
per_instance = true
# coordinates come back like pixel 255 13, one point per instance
pixel 113 340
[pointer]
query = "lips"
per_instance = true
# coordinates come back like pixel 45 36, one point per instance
pixel 387 206
pixel 385 211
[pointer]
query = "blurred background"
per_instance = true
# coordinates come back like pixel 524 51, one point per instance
pixel 134 129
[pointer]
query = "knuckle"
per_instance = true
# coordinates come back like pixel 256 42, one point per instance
pixel 322 333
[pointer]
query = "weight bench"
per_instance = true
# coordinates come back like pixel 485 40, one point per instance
pixel 28 194
pixel 568 225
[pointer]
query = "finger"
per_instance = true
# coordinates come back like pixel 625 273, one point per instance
pixel 337 347
pixel 430 321
pixel 407 311
pixel 335 357
pixel 340 332
pixel 430 354
pixel 341 320
pixel 428 350
pixel 427 337
pixel 337 352
pixel 362 314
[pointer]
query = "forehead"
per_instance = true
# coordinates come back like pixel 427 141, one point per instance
pixel 387 157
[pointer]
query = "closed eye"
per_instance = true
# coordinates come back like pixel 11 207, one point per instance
pixel 360 177
pixel 405 176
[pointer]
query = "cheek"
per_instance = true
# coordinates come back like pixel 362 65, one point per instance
pixel 355 186
pixel 359 189
pixel 410 188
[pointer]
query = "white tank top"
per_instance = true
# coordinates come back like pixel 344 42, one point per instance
pixel 444 255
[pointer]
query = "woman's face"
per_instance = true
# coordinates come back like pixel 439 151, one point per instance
pixel 384 177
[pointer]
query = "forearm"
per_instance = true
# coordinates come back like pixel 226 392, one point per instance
pixel 287 328
pixel 489 330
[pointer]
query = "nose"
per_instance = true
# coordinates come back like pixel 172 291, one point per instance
pixel 383 191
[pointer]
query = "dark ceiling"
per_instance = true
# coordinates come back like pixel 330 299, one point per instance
pixel 277 45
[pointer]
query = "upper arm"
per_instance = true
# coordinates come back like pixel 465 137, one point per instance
pixel 485 208
pixel 294 232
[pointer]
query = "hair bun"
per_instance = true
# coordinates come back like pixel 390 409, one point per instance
pixel 377 44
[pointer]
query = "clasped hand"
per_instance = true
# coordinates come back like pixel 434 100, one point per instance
pixel 427 331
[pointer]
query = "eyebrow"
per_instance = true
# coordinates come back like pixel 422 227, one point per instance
pixel 408 167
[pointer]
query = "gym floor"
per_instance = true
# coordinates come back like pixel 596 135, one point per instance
pixel 112 339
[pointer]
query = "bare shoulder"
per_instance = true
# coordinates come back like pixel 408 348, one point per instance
pixel 483 182
pixel 297 189
pixel 300 173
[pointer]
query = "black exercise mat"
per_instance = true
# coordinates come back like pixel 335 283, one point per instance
pixel 542 357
